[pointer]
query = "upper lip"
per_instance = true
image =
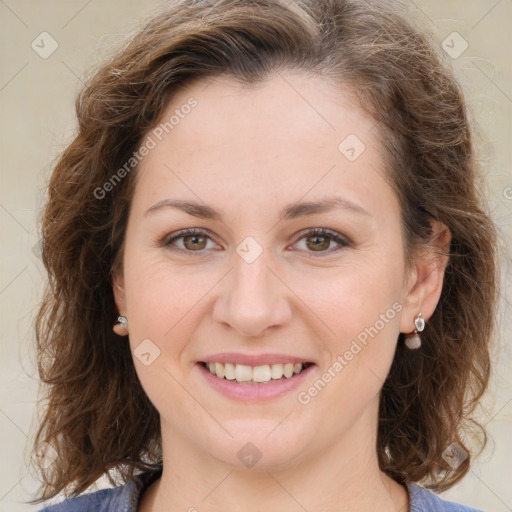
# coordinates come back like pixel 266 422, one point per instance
pixel 253 359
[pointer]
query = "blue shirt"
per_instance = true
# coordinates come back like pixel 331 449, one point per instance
pixel 125 498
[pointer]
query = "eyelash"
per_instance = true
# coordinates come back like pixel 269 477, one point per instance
pixel 341 240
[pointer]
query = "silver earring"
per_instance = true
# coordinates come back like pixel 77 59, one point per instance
pixel 413 340
pixel 121 327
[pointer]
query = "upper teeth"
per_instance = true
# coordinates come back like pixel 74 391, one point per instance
pixel 264 373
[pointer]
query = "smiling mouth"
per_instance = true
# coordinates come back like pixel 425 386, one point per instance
pixel 250 375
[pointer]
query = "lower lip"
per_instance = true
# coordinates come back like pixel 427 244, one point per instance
pixel 254 392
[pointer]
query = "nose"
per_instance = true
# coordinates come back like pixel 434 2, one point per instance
pixel 253 299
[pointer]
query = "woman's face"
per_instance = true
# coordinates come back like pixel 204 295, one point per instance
pixel 254 287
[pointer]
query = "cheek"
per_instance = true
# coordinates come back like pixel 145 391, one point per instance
pixel 167 303
pixel 351 298
pixel 160 297
pixel 165 308
pixel 360 305
pixel 362 308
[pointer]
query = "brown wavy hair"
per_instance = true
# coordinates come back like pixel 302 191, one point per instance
pixel 97 417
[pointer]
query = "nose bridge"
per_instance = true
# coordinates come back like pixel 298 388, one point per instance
pixel 253 297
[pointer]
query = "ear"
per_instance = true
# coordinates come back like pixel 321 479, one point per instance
pixel 119 291
pixel 425 280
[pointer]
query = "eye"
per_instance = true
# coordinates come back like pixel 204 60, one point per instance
pixel 319 240
pixel 191 240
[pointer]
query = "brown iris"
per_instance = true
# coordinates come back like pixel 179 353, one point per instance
pixel 323 244
pixel 197 241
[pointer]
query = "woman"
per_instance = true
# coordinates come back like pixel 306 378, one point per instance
pixel 272 278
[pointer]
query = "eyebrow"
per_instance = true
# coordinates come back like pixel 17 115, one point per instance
pixel 291 211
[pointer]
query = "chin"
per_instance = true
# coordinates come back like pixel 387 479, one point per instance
pixel 261 446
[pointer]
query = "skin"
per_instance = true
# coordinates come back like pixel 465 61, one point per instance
pixel 249 151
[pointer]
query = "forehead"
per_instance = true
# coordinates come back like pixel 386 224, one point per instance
pixel 290 136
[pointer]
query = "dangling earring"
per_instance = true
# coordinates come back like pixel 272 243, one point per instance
pixel 121 327
pixel 413 340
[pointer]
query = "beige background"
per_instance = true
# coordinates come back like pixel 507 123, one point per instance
pixel 37 112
